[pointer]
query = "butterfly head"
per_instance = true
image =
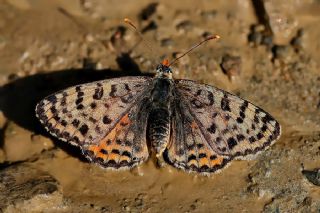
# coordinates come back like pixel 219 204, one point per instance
pixel 164 70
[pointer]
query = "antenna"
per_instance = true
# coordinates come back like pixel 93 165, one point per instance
pixel 215 37
pixel 128 21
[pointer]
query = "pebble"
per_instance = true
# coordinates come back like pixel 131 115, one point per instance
pixel 297 41
pixel 22 183
pixel 148 11
pixel 184 26
pixel 312 176
pixel 152 25
pixel 209 15
pixel 258 36
pixel 167 42
pixel 231 65
pixel 282 52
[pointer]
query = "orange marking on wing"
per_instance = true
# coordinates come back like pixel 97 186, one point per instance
pixel 113 156
pixel 192 162
pixel 190 152
pixel 194 125
pixel 122 158
pixel 125 120
pixel 49 114
pixel 103 146
pixel 112 136
pixel 59 126
pixel 52 121
pixel 101 155
pixel 203 161
pixel 105 142
pixel 94 149
pixel 217 161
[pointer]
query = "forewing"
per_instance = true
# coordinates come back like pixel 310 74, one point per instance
pixel 229 125
pixel 98 117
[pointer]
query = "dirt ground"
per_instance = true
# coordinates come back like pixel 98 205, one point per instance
pixel 268 53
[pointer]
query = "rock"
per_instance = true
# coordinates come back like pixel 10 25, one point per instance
pixel 20 183
pixel 231 65
pixel 259 36
pixel 312 176
pixel 297 42
pixel 184 26
pixel 148 11
pixel 152 25
pixel 282 19
pixel 282 52
pixel 167 42
pixel 209 15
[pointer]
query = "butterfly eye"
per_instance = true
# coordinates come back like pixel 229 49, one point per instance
pixel 167 70
pixel 159 68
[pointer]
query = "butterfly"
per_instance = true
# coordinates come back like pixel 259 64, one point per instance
pixel 119 123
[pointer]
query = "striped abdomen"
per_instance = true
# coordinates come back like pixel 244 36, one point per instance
pixel 159 129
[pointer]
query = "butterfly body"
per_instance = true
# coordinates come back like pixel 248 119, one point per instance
pixel 191 126
pixel 159 121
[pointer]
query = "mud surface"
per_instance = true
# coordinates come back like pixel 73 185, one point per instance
pixel 268 53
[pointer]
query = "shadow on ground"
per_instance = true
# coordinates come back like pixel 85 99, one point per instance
pixel 20 97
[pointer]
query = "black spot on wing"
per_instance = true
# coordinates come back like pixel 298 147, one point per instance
pixel 106 120
pixel 53 109
pixel 197 104
pixel 212 128
pixel 202 155
pixel 79 100
pixel 252 139
pixel 244 106
pixel 78 88
pixel 231 142
pixel 113 91
pixel 84 129
pixel 267 118
pixel 98 93
pixel 52 99
pixel 225 103
pixel 126 153
pixel 240 137
pixel 76 123
pixel 80 94
pixel 210 98
pixel 126 86
pixel 103 151
pixel 93 105
pixel 80 107
pixel 191 157
pixel 115 151
pixel 239 120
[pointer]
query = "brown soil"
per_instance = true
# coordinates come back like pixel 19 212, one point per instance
pixel 268 53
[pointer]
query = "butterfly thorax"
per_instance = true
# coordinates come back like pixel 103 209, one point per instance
pixel 160 113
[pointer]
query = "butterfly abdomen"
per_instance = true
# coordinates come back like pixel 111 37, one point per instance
pixel 159 129
pixel 159 116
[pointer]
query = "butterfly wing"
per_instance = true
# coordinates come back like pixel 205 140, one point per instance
pixel 227 126
pixel 188 148
pixel 103 118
